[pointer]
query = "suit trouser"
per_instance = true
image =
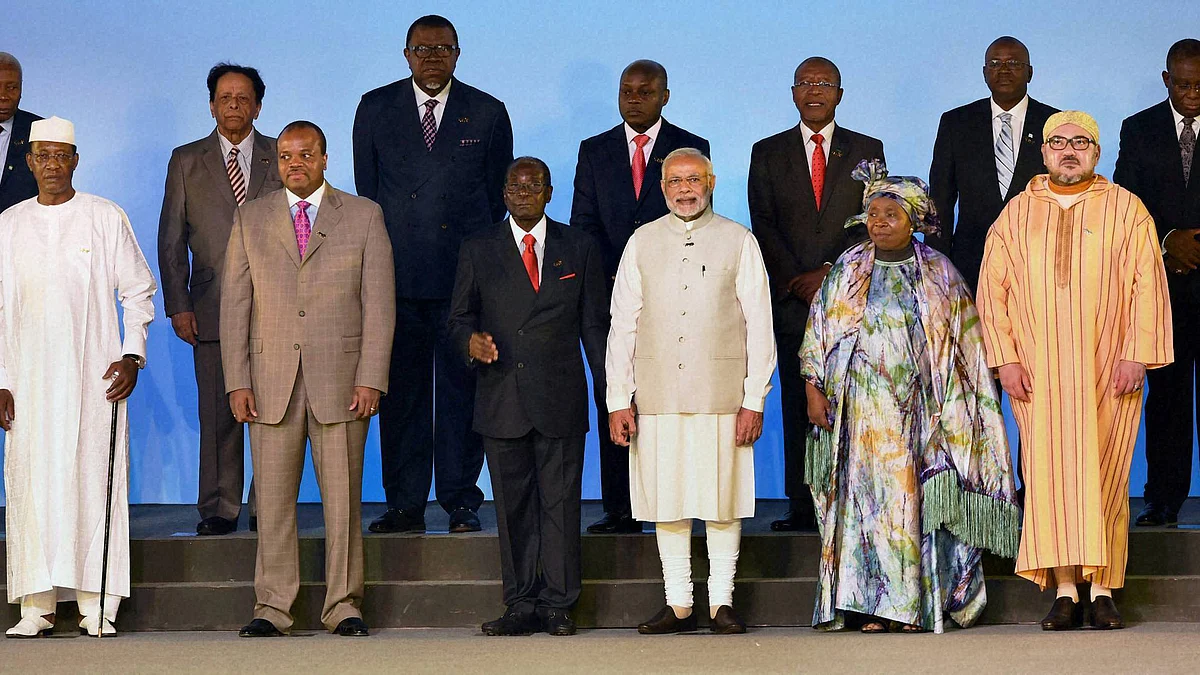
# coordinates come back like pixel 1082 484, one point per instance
pixel 277 451
pixel 1171 409
pixel 425 420
pixel 537 483
pixel 222 440
pixel 794 406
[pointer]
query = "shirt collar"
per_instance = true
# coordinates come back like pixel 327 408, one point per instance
pixel 1018 110
pixel 246 147
pixel 313 200
pixel 442 97
pixel 538 232
pixel 1177 115
pixel 8 125
pixel 652 132
pixel 826 133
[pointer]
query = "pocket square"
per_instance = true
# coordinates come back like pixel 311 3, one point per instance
pixel 466 142
pixel 567 276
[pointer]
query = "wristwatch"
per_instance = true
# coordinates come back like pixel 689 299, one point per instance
pixel 139 361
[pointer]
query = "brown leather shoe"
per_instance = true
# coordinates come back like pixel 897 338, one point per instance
pixel 1065 614
pixel 665 623
pixel 1105 615
pixel 726 622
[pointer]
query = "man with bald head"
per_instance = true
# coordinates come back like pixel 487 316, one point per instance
pixel 985 154
pixel 801 195
pixel 1158 163
pixel 1073 303
pixel 16 180
pixel 616 192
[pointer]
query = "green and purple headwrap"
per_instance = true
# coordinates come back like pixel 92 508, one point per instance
pixel 909 191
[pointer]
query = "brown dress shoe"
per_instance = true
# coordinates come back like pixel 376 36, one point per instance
pixel 665 623
pixel 1105 615
pixel 726 622
pixel 1065 614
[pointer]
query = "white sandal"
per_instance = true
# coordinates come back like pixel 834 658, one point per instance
pixel 30 627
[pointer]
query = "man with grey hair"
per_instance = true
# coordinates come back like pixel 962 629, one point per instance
pixel 689 363
pixel 16 180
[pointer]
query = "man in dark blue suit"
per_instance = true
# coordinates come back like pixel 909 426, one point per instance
pixel 616 191
pixel 16 180
pixel 528 291
pixel 432 151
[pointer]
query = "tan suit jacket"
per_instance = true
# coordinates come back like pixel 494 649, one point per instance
pixel 197 215
pixel 335 309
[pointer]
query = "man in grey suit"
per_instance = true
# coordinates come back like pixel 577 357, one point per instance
pixel 206 181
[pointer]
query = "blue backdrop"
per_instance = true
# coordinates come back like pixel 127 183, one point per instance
pixel 131 76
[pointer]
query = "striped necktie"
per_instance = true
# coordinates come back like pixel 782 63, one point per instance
pixel 1006 157
pixel 237 180
pixel 429 123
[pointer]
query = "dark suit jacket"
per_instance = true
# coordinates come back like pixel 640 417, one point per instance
pixel 538 381
pixel 18 183
pixel 793 235
pixel 1149 166
pixel 604 204
pixel 197 216
pixel 431 199
pixel 964 171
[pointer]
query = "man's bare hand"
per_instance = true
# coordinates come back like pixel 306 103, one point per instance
pixel 7 410
pixel 818 406
pixel 806 284
pixel 241 402
pixel 1128 378
pixel 1182 246
pixel 749 426
pixel 1016 381
pixel 482 348
pixel 365 402
pixel 185 327
pixel 622 425
pixel 124 376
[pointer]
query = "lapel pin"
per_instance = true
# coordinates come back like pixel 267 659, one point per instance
pixel 658 160
pixel 19 141
pixel 837 152
pixel 558 263
pixel 463 120
pixel 1029 138
pixel 321 234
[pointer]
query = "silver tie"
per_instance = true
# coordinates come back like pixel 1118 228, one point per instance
pixel 1006 157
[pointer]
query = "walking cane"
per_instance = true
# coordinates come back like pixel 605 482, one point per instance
pixel 112 456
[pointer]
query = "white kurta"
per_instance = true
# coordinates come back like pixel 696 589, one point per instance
pixel 59 332
pixel 689 465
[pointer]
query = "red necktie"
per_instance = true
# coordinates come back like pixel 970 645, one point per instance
pixel 529 257
pixel 818 168
pixel 639 164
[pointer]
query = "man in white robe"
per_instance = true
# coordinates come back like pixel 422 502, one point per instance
pixel 689 362
pixel 63 364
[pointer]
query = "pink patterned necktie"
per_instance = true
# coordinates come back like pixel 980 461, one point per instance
pixel 429 123
pixel 303 226
pixel 639 164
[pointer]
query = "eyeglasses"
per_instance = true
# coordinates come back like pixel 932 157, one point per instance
pixel 692 181
pixel 824 86
pixel 526 188
pixel 1184 87
pixel 1060 143
pixel 60 157
pixel 425 51
pixel 1010 64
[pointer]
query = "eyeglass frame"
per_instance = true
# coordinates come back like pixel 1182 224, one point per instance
pixel 820 86
pixel 42 158
pixel 432 50
pixel 534 189
pixel 1183 88
pixel 1012 65
pixel 1073 142
pixel 693 181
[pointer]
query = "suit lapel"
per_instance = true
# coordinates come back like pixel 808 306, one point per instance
pixel 508 258
pixel 281 224
pixel 622 175
pixel 409 121
pixel 329 216
pixel 801 177
pixel 260 163
pixel 551 265
pixel 16 145
pixel 839 148
pixel 456 124
pixel 215 162
pixel 1029 150
pixel 663 145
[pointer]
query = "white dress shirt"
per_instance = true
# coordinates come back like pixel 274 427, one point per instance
pixel 6 131
pixel 539 241
pixel 810 146
pixel 1174 113
pixel 1017 123
pixel 245 151
pixel 314 205
pixel 652 132
pixel 439 109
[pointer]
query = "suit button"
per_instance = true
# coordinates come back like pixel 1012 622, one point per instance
pixel 685 287
pixel 681 338
pixel 520 332
pixel 683 312
pixel 681 366
pixel 301 312
pixel 295 346
pixel 636 223
pixel 685 260
pixel 444 226
pixel 413 196
pixel 520 365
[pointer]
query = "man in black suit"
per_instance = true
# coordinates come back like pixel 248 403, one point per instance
pixel 16 180
pixel 1157 162
pixel 432 151
pixel 528 290
pixel 801 195
pixel 985 154
pixel 616 191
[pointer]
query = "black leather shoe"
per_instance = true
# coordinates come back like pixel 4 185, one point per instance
pixel 259 628
pixel 513 622
pixel 215 525
pixel 398 520
pixel 463 519
pixel 665 623
pixel 556 621
pixel 726 622
pixel 1105 615
pixel 615 524
pixel 795 521
pixel 352 626
pixel 1065 614
pixel 1156 515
